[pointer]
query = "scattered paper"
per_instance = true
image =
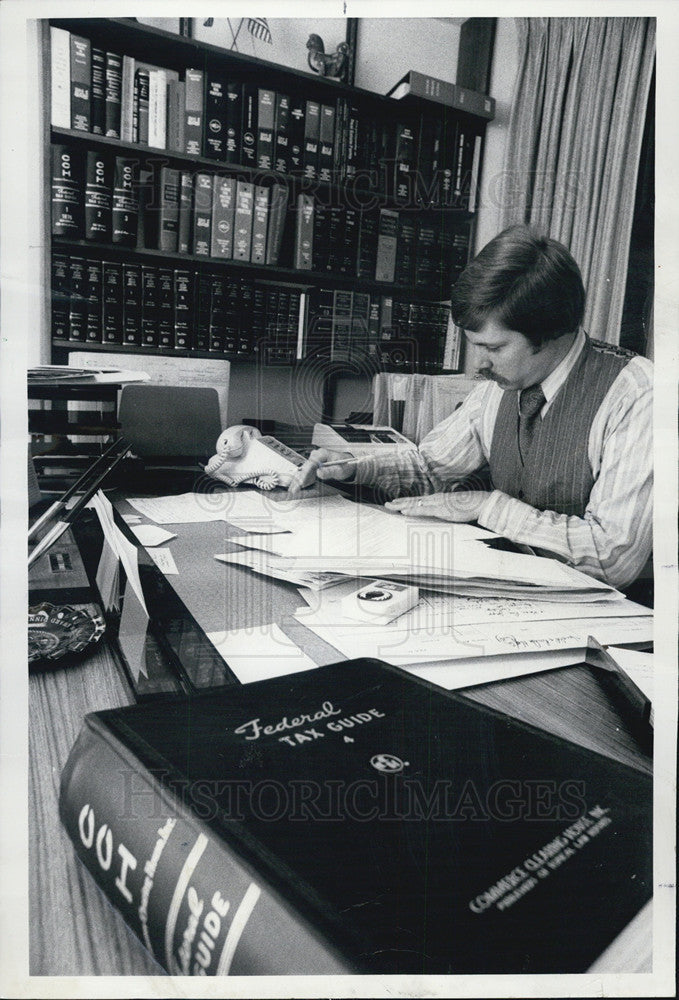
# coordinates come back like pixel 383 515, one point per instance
pixel 151 534
pixel 131 518
pixel 261 562
pixel 186 508
pixel 638 666
pixel 125 550
pixel 164 560
pixel 469 672
pixel 260 652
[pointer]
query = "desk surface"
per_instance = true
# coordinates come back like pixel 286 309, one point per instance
pixel 73 929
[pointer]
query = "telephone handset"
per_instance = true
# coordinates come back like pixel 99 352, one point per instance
pixel 244 455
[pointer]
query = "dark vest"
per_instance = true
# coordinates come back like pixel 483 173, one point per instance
pixel 557 475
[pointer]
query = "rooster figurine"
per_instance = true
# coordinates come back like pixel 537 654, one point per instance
pixel 334 66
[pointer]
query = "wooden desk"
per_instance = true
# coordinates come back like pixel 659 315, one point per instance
pixel 73 929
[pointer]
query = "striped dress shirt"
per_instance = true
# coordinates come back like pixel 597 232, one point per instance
pixel 613 539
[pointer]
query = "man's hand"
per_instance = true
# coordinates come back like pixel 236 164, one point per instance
pixel 322 464
pixel 462 506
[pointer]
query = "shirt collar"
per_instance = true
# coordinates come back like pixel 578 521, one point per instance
pixel 555 379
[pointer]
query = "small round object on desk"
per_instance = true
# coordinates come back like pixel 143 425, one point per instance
pixel 55 631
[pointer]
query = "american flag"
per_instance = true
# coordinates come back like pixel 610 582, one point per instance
pixel 259 28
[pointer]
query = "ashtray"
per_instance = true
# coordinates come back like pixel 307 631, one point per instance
pixel 54 631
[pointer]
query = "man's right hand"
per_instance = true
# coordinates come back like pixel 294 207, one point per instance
pixel 322 464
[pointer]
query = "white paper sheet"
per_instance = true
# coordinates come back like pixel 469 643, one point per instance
pixel 257 653
pixel 638 666
pixel 267 565
pixel 185 508
pixel 126 551
pixel 485 669
pixel 164 560
pixel 151 534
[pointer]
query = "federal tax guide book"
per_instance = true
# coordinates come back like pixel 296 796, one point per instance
pixel 355 819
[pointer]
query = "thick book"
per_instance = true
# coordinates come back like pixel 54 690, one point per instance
pixel 214 138
pixel 282 133
pixel 166 209
pixel 60 78
pixel 112 302
pixel 93 276
pixel 68 191
pixel 201 311
pixel 114 82
pixel 415 84
pixel 61 286
pixel 387 234
pixel 98 196
pixel 132 304
pixel 250 101
pixel 98 92
pixel 77 304
pixel 202 214
pixel 176 105
pixel 404 163
pixel 266 112
pixel 166 293
pixel 233 119
pixel 125 207
pixel 81 83
pixel 356 819
pixel 127 100
pixel 223 211
pixel 312 127
pixel 142 81
pixel 194 112
pixel 158 80
pixel 278 206
pixel 149 306
pixel 260 218
pixel 296 138
pixel 326 143
pixel 184 242
pixel 304 233
pixel 242 236
pixel 183 301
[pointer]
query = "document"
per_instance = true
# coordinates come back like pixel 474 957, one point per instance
pixel 248 510
pixel 150 534
pixel 164 560
pixel 278 567
pixel 260 652
pixel 126 551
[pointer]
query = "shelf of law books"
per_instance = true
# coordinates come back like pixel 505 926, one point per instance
pixel 210 203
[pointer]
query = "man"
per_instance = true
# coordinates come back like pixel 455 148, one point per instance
pixel 562 423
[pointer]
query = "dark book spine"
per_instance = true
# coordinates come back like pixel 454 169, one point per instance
pixel 214 140
pixel 367 246
pixel 270 327
pixel 231 315
pixel 202 214
pixel 249 125
pixel 125 201
pixel 165 307
pixel 341 324
pixel 246 296
pixel 195 112
pixel 404 163
pixel 296 143
pixel 139 858
pixel 352 160
pixel 183 299
pixel 142 83
pixel 61 287
pixel 184 242
pixel 114 81
pixel 282 134
pixel 81 83
pixel 217 313
pixel 426 249
pixel 278 204
pixel 68 192
pixel 132 304
pixel 360 314
pixel 98 197
pixel 77 311
pixel 326 144
pixel 93 330
pixel 112 295
pixel 335 239
pixel 386 245
pixel 258 326
pixel 266 108
pixel 242 235
pixel 304 239
pixel 223 213
pixel 404 269
pixel 201 311
pixel 233 114
pixel 168 209
pixel 312 126
pixel 321 240
pixel 149 306
pixel 98 93
pixel 260 218
pixel 349 242
pixel 319 327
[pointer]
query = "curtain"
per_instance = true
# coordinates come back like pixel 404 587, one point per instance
pixel 574 144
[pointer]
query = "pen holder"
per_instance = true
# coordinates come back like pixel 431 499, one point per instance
pixel 380 601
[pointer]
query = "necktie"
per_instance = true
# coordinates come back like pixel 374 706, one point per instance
pixel 531 401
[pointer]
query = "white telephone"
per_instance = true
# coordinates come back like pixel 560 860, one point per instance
pixel 244 455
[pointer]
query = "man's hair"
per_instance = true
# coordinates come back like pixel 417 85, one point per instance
pixel 525 282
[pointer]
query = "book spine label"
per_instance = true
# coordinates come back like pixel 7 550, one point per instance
pixel 260 219
pixel 326 147
pixel 182 309
pixel 165 307
pixel 112 294
pixel 249 125
pixel 167 873
pixel 265 125
pixel 168 209
pixel 77 311
pixel 184 243
pixel 114 81
pixel 81 82
pixel 245 193
pixel 194 114
pixel 98 197
pixel 98 93
pixel 132 304
pixel 304 241
pixel 125 201
pixel 312 125
pixel 202 214
pixel 158 109
pixel 93 332
pixel 61 286
pixel 214 140
pixel 223 210
pixel 386 245
pixel 141 106
pixel 127 100
pixel 68 191
pixel 60 77
pixel 282 134
pixel 149 306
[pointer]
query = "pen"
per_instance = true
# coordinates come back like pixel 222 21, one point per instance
pixel 60 504
pixel 57 530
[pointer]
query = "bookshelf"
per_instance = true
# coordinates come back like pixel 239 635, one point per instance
pixel 359 235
